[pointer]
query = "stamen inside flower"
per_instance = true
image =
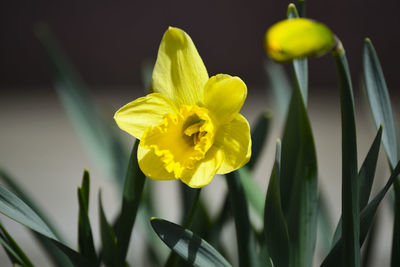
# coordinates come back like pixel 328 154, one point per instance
pixel 182 139
pixel 194 131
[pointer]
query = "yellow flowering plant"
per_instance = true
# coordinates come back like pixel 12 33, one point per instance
pixel 190 127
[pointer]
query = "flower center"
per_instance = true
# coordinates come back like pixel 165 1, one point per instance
pixel 182 139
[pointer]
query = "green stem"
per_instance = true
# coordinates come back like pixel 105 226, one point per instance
pixel 173 259
pixel 187 222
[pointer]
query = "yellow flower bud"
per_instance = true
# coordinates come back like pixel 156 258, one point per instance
pixel 298 38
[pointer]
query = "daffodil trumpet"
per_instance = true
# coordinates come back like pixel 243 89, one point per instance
pixel 190 127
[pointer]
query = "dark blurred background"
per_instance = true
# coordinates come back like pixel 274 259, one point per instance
pixel 108 41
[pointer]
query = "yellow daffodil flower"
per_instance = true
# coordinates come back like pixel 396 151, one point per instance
pixel 190 127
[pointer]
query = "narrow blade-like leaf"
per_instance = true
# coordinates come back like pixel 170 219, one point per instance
pixel 192 197
pixel 24 196
pixel 275 229
pixel 85 236
pixel 12 255
pixel 334 258
pixel 52 251
pixel 16 254
pixel 77 259
pixel 14 208
pixel 350 191
pixel 395 258
pixel 132 195
pixel 244 234
pixel 379 102
pixel 298 182
pixel 97 137
pixel 365 178
pixel 252 190
pixel 370 247
pixel 301 7
pixel 325 227
pixel 300 66
pixel 280 86
pixel 259 136
pixel 186 244
pixel 108 239
pixel 367 172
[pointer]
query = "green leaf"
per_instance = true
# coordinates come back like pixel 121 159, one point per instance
pixel 298 182
pixel 16 254
pixel 146 70
pixel 244 234
pixel 259 136
pixel 300 66
pixel 301 6
pixel 370 246
pixel 132 195
pixel 350 191
pixel 12 255
pixel 325 227
pixel 263 253
pixel 52 250
pixel 191 197
pixel 108 239
pixel 21 193
pixel 367 172
pixel 275 229
pixel 334 258
pixel 365 178
pixel 85 236
pixel 379 100
pixel 14 208
pixel 301 73
pixel 77 259
pixel 292 11
pixel 155 250
pixel 186 244
pixel 56 255
pixel 395 257
pixel 281 87
pixel 221 219
pixel 96 135
pixel 252 190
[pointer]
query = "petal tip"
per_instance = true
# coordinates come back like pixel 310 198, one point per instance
pixel 197 185
pixel 175 34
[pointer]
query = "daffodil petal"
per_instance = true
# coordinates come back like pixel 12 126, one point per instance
pixel 224 96
pixel 142 113
pixel 151 165
pixel 179 72
pixel 204 173
pixel 235 142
